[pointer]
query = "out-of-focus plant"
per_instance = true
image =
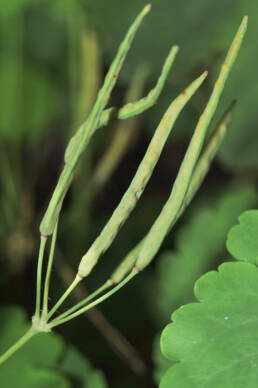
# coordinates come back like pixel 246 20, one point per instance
pixel 29 98
pixel 191 173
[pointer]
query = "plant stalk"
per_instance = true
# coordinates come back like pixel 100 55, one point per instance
pixel 43 240
pixel 17 345
pixel 95 302
pixel 49 270
pixel 72 286
pixel 84 301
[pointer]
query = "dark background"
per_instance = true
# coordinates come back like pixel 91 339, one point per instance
pixel 54 55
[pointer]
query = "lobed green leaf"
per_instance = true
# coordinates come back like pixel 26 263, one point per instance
pixel 197 245
pixel 242 240
pixel 216 340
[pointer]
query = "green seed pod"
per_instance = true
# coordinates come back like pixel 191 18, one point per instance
pixel 172 207
pixel 129 110
pixel 141 178
pixel 199 174
pixel 49 220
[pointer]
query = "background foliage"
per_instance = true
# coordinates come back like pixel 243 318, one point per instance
pixel 53 56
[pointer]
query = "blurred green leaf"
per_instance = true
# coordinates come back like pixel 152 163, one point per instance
pixel 242 240
pixel 12 7
pixel 29 367
pixel 27 101
pixel 77 368
pixel 37 363
pixel 61 7
pixel 216 341
pixel 239 150
pixel 45 38
pixel 170 22
pixel 39 98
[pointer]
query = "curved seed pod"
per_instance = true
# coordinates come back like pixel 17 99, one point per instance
pixel 199 174
pixel 207 156
pixel 50 217
pixel 129 110
pixel 141 178
pixel 123 133
pixel 135 108
pixel 127 264
pixel 172 207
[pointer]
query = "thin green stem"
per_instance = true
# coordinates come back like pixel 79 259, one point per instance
pixel 43 240
pixel 76 281
pixel 95 303
pixel 49 270
pixel 25 338
pixel 84 301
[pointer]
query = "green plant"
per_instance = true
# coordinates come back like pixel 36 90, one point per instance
pixel 215 340
pixel 192 171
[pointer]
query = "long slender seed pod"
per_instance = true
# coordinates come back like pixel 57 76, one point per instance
pixel 51 215
pixel 141 178
pixel 89 77
pixel 207 156
pixel 135 108
pixel 123 133
pixel 130 109
pixel 170 210
pixel 128 263
pixel 199 174
pixel 133 193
